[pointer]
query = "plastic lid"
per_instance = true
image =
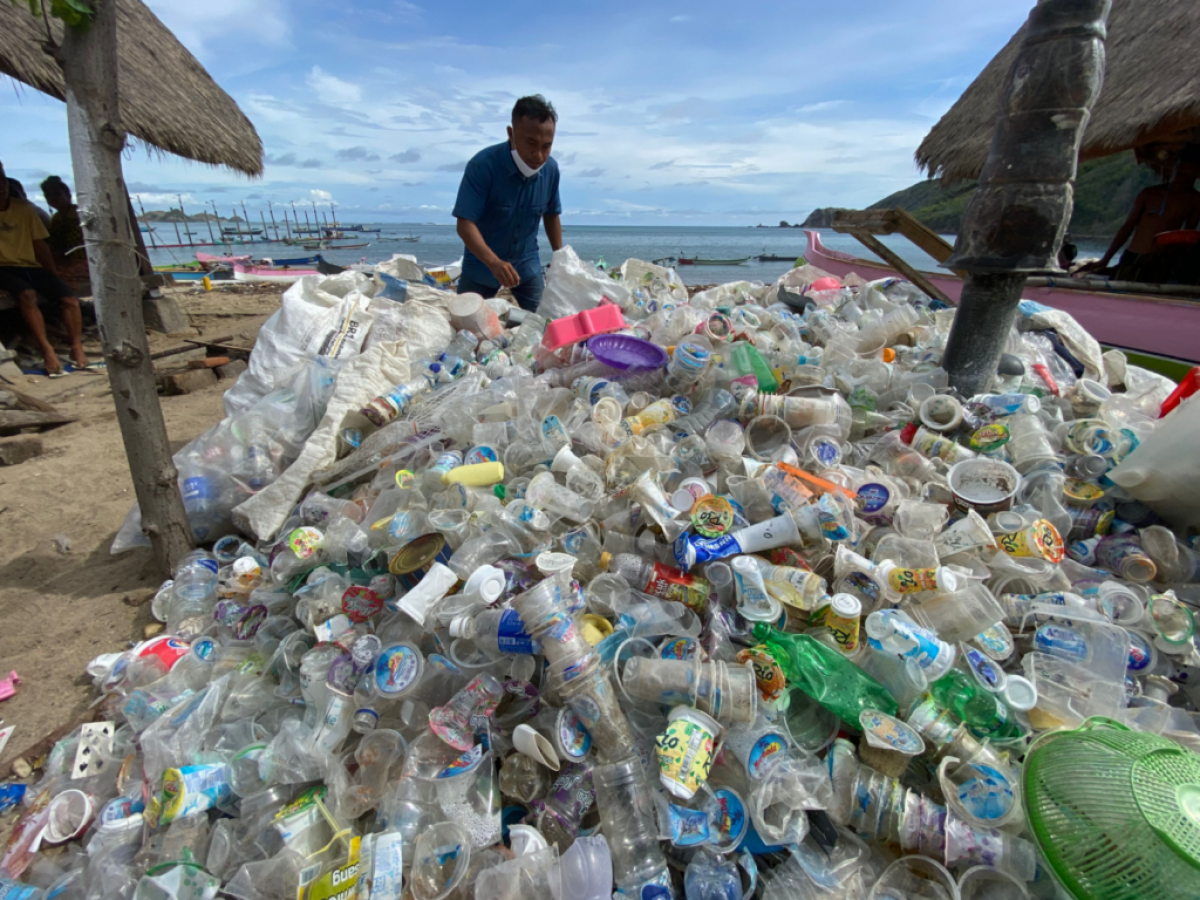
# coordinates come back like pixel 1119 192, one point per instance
pixel 1019 693
pixel 368 711
pixel 605 559
pixel 683 500
pixel 846 605
pixel 459 625
pixel 947 580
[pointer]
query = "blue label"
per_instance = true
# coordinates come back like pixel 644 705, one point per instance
pixel 1140 653
pixel 203 648
pixel 729 816
pixel 199 488
pixel 983 668
pixel 689 827
pixel 826 452
pixel 874 496
pixel 511 635
pixel 396 669
pixel 1063 642
pixel 480 454
pixel 763 753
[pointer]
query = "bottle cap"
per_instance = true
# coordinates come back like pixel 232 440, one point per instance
pixel 1019 693
pixel 459 625
pixel 366 710
pixel 605 559
pixel 847 606
pixel 947 580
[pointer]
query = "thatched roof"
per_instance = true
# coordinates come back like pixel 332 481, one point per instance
pixel 168 100
pixel 1151 90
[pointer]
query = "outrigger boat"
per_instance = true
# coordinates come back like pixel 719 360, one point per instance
pixel 696 261
pixel 1155 320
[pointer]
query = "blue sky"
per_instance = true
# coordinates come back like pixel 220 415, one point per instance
pixel 695 113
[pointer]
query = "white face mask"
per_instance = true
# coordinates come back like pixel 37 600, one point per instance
pixel 523 166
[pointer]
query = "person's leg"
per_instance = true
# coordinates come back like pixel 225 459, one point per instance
pixel 53 288
pixel 28 302
pixel 467 286
pixel 528 293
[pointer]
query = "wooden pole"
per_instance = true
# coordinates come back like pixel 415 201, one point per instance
pixel 97 137
pixel 266 234
pixel 191 243
pixel 271 210
pixel 150 231
pixel 287 225
pixel 295 218
pixel 208 222
pixel 178 239
pixel 145 267
pixel 249 227
pixel 1015 222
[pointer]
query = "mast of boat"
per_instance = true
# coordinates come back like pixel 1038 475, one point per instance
pixel 266 234
pixel 333 214
pixel 208 222
pixel 224 240
pixel 287 226
pixel 191 243
pixel 149 230
pixel 178 240
pixel 295 217
pixel 271 210
pixel 308 227
pixel 246 216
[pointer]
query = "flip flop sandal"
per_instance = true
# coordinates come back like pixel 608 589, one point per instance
pixel 61 373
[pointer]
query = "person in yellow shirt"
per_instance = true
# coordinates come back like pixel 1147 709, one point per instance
pixel 27 269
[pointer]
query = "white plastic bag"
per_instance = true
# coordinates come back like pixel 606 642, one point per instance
pixel 327 317
pixel 1164 472
pixel 573 285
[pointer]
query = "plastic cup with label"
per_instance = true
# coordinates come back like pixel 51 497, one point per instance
pixel 594 700
pixel 941 412
pixel 441 861
pixel 725 439
pixel 685 751
pixel 888 745
pixel 754 603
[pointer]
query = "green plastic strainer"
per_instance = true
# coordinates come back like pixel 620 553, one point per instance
pixel 1116 813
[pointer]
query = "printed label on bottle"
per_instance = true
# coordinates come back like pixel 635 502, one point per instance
pixel 729 816
pixel 885 732
pixel 989 676
pixel 762 754
pixel 480 454
pixel 671 584
pixel 679 648
pixel 468 762
pixel 873 497
pixel 908 581
pixel 689 827
pixel 396 669
pixel 511 636
pixel 1063 642
pixel 573 738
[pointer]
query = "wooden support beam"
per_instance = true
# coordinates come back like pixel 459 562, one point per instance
pixel 894 221
pixel 889 256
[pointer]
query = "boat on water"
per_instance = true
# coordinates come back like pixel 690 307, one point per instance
pixel 697 261
pixel 360 229
pixel 291 261
pixel 228 259
pixel 1145 319
pixel 233 229
pixel 253 274
pixel 400 238
pixel 774 257
pixel 323 245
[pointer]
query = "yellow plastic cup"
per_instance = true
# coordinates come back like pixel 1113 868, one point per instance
pixel 478 475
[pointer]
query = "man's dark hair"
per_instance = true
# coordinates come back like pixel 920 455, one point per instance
pixel 16 189
pixel 53 182
pixel 535 107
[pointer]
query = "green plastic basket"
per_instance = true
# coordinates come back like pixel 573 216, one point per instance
pixel 1116 813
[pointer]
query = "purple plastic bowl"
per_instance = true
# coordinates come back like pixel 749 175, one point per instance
pixel 629 354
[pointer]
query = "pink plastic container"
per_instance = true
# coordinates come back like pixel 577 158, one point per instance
pixel 603 319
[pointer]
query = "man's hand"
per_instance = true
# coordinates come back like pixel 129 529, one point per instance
pixel 505 273
pixel 1092 267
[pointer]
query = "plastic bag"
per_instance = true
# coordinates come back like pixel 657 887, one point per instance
pixel 573 285
pixel 327 317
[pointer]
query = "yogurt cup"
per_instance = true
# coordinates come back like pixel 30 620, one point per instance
pixel 685 751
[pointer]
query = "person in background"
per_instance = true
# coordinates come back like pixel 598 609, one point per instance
pixel 66 232
pixel 18 190
pixel 27 269
pixel 1170 206
pixel 506 191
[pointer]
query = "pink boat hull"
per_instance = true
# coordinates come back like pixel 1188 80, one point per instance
pixel 1162 326
pixel 264 275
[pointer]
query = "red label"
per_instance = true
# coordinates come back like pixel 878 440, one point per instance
pixel 671 584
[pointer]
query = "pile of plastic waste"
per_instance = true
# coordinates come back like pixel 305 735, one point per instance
pixel 646 596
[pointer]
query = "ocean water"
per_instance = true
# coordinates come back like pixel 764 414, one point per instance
pixel 439 244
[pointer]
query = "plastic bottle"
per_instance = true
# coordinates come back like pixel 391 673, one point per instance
pixel 570 797
pixel 747 367
pixel 628 819
pixel 659 580
pixel 716 404
pixel 981 710
pixel 892 631
pixel 196 577
pixel 387 407
pixel 710 876
pixel 825 674
pixel 1122 554
pixel 495 631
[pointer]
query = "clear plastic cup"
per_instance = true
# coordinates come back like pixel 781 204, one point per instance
pixel 545 492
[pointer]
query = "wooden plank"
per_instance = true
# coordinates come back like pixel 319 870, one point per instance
pixel 889 256
pixel 13 420
pixel 31 403
pixel 894 221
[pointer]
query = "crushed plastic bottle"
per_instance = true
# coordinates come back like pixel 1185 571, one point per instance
pixel 610 604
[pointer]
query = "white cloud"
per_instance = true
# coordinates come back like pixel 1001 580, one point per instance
pixel 199 25
pixel 683 18
pixel 320 196
pixel 331 89
pixel 155 199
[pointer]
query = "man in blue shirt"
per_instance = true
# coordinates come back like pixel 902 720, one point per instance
pixel 506 191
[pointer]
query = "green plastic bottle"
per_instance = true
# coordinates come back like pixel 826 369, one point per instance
pixel 977 708
pixel 744 360
pixel 825 674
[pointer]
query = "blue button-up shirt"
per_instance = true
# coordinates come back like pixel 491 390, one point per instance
pixel 507 208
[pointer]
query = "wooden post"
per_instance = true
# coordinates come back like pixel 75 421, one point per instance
pixel 207 221
pixel 271 209
pixel 191 243
pixel 89 61
pixel 266 234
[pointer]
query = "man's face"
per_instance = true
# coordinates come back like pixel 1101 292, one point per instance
pixel 532 140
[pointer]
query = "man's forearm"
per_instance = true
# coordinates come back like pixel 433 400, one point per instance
pixel 554 231
pixel 471 237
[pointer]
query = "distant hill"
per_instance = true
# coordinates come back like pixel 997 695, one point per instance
pixel 174 215
pixel 823 217
pixel 1104 194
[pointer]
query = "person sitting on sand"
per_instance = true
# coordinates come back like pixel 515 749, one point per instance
pixel 27 269
pixel 66 232
pixel 1163 207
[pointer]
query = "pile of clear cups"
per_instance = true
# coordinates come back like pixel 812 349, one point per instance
pixel 743 594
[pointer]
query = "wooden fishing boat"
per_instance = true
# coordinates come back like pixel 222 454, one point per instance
pixel 697 261
pixel 322 245
pixel 270 274
pixel 211 259
pixel 1159 320
pixel 774 257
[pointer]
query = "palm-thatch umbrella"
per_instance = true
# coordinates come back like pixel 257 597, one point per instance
pixel 127 74
pixel 1151 91
pixel 167 100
